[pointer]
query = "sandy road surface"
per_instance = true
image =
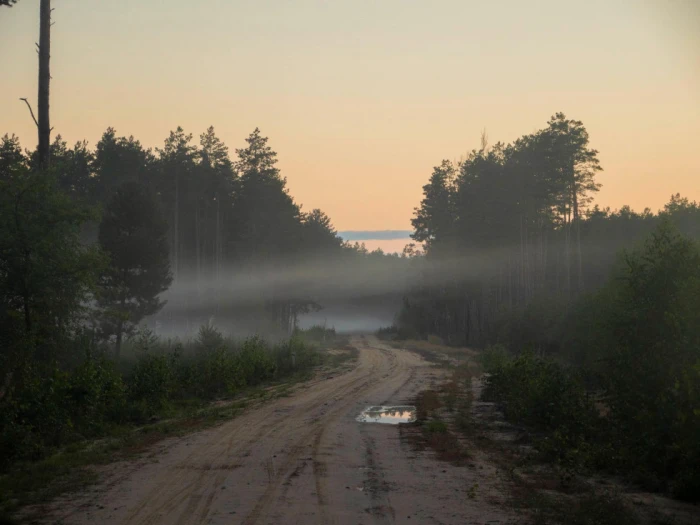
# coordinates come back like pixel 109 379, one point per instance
pixel 299 460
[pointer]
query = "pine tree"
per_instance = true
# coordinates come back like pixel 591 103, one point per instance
pixel 434 220
pixel 133 233
pixel 46 274
pixel 266 221
pixel 319 235
pixel 177 163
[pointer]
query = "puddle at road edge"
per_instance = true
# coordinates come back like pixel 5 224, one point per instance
pixel 392 415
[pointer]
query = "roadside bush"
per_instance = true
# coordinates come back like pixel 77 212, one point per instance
pixel 538 325
pixel 651 355
pixel 152 382
pixel 215 372
pixel 48 407
pixel 434 339
pixel 493 357
pixel 256 361
pixel 548 397
pixel 209 338
pixel 315 334
pixel 636 342
pixel 97 396
pixel 306 357
pixel 388 332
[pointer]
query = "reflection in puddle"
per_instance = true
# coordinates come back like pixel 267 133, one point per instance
pixel 392 415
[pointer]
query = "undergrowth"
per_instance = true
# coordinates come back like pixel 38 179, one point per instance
pixel 56 420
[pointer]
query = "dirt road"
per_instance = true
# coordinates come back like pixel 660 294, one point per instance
pixel 303 459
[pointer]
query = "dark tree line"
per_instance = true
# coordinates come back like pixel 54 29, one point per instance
pixel 184 214
pixel 568 302
pixel 511 227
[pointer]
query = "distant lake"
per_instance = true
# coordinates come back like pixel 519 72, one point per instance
pixel 388 240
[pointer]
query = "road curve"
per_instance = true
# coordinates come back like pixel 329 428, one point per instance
pixel 296 460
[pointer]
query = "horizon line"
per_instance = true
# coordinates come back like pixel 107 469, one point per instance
pixel 374 235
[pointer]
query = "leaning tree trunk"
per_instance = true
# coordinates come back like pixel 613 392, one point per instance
pixel 44 80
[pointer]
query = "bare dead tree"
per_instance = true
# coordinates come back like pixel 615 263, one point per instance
pixel 44 81
pixel 484 140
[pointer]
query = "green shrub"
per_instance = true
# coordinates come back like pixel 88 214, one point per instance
pixel 209 338
pixel 493 357
pixel 652 360
pixel 316 334
pixel 388 332
pixel 48 407
pixel 436 427
pixel 153 380
pixel 637 341
pixel 256 361
pixel 548 397
pixel 435 340
pixel 97 395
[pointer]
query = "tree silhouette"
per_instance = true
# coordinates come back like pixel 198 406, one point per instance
pixel 133 233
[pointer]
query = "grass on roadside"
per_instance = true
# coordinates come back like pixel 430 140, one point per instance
pixel 434 352
pixel 70 467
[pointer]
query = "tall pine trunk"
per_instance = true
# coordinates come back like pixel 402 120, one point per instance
pixel 217 248
pixel 120 324
pixel 567 252
pixel 521 293
pixel 577 225
pixel 176 231
pixel 44 81
pixel 197 241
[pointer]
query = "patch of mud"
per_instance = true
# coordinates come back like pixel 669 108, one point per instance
pixel 390 415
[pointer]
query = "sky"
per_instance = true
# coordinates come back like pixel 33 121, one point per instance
pixel 362 98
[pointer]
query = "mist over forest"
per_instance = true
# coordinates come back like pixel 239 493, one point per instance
pixel 186 250
pixel 140 285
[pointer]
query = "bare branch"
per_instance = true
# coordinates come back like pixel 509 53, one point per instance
pixel 484 140
pixel 30 111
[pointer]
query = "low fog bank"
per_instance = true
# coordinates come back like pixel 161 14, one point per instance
pixel 364 316
pixel 353 297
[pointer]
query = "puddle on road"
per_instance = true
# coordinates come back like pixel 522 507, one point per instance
pixel 391 415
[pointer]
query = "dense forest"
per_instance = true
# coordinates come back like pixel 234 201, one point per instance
pixel 146 289
pixel 510 231
pixel 95 244
pixel 215 223
pixel 590 318
pixel 137 283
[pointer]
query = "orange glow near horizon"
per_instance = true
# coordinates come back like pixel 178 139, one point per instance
pixel 361 99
